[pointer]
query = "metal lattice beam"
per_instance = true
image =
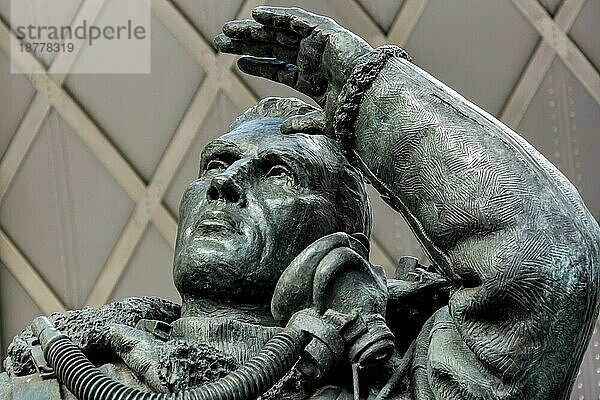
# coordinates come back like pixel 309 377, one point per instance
pixel 216 66
pixel 555 36
pixel 26 133
pixel 86 129
pixel 28 277
pixel 39 108
pixel 536 69
pixel 406 21
pixel 362 23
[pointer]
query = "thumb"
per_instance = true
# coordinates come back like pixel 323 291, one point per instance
pixel 313 123
pixel 141 352
pixel 125 338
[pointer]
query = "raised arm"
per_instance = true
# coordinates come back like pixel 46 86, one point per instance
pixel 500 222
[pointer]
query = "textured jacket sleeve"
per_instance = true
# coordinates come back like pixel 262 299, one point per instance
pixel 500 222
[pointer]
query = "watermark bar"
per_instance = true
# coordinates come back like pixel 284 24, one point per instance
pixel 113 37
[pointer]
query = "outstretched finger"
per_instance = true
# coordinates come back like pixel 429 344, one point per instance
pixel 125 338
pixel 140 351
pixel 294 19
pixel 248 29
pixel 269 68
pixel 256 49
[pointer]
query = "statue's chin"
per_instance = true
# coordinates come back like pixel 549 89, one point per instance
pixel 223 265
pixel 220 276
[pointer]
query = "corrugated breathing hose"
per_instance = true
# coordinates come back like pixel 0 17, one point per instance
pixel 249 381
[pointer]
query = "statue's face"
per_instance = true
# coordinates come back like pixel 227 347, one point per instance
pixel 260 199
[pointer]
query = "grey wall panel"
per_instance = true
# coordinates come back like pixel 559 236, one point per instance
pixel 140 112
pixel 586 31
pixel 17 309
pixel 5 9
pixel 551 6
pixel 392 232
pixel 383 12
pixel 17 93
pixel 563 122
pixel 479 48
pixel 150 270
pixel 207 18
pixel 64 211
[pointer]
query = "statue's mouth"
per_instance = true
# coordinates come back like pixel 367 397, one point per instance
pixel 216 221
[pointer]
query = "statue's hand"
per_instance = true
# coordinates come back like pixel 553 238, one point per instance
pixel 141 352
pixel 309 52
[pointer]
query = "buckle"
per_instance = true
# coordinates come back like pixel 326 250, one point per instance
pixel 159 329
pixel 39 360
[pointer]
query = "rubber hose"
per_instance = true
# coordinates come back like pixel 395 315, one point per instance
pixel 252 379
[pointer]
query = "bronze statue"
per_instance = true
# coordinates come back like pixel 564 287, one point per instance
pixel 279 299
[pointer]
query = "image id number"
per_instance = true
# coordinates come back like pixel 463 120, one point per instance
pixel 47 47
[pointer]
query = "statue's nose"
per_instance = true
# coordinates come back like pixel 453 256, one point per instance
pixel 223 187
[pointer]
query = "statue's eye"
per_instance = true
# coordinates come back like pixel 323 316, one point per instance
pixel 281 173
pixel 278 171
pixel 215 165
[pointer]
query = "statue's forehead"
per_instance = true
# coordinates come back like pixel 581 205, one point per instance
pixel 260 135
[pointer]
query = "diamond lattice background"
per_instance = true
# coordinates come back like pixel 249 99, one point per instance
pixel 92 166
